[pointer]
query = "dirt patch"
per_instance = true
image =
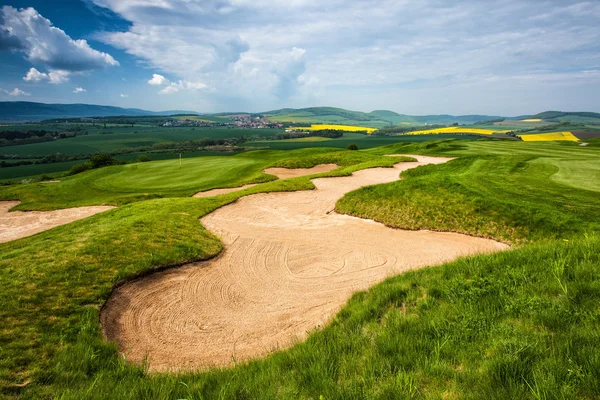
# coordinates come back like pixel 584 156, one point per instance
pixel 281 173
pixel 288 266
pixel 18 224
pixel 586 134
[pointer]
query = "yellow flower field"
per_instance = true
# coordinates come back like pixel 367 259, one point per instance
pixel 549 137
pixel 455 129
pixel 347 128
pixel 532 120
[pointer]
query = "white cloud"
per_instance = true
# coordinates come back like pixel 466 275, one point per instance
pixel 354 51
pixel 16 92
pixel 33 75
pixel 45 44
pixel 175 87
pixel 53 76
pixel 124 95
pixel 58 76
pixel 158 80
pixel 79 90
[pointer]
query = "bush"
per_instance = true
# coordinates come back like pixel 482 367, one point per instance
pixel 46 178
pixel 144 159
pixel 103 160
pixel 353 147
pixel 79 168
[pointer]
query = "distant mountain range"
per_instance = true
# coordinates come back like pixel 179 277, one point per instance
pixel 27 111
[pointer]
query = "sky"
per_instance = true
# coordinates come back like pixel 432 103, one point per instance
pixel 494 57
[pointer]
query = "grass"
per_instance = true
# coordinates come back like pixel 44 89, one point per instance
pixel 511 195
pixel 518 324
pixel 124 184
pixel 362 141
pixel 125 137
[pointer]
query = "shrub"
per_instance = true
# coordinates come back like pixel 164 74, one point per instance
pixel 79 168
pixel 103 160
pixel 353 147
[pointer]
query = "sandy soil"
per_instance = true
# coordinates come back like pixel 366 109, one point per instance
pixel 281 173
pixel 288 266
pixel 18 224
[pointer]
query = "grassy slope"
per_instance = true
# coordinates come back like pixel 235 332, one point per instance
pixel 520 324
pixel 511 193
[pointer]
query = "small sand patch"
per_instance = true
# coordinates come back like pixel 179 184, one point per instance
pixel 288 266
pixel 281 173
pixel 18 224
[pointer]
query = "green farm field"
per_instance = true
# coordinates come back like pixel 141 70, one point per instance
pixel 125 137
pixel 522 323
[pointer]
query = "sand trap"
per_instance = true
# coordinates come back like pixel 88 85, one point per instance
pixel 281 173
pixel 288 266
pixel 19 224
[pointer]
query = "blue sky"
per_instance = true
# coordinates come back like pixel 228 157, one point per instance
pixel 502 57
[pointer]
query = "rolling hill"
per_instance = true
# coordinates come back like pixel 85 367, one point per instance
pixel 19 111
pixel 375 119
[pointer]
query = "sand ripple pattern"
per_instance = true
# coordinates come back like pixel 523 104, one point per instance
pixel 288 266
pixel 18 224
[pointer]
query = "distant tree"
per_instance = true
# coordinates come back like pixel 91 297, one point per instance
pixel 353 147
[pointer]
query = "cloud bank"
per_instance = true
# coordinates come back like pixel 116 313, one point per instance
pixel 43 44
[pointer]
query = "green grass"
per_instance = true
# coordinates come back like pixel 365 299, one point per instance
pixel 125 137
pixel 519 324
pixel 124 184
pixel 362 141
pixel 583 174
pixel 512 193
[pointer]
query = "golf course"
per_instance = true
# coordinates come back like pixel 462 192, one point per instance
pixel 433 269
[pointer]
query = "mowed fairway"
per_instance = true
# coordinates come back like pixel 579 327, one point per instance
pixel 124 184
pixel 580 174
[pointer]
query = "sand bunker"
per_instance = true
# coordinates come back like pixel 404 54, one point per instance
pixel 281 173
pixel 19 224
pixel 288 266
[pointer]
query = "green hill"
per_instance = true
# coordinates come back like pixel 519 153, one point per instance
pixel 561 116
pixel 375 119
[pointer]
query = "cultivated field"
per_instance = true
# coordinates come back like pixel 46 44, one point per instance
pixel 456 129
pixel 262 267
pixel 549 137
pixel 345 128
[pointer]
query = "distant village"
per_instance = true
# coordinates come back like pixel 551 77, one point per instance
pixel 246 121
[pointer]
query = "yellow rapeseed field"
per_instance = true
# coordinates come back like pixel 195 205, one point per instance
pixel 549 137
pixel 455 129
pixel 347 128
pixel 532 120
